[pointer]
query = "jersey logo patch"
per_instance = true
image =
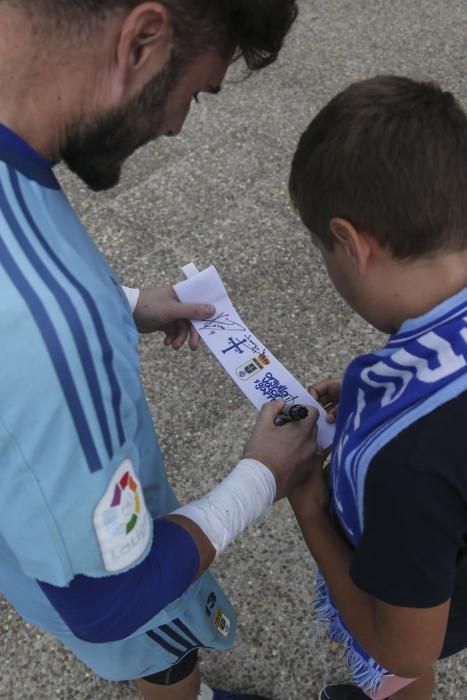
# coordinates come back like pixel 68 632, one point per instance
pixel 121 520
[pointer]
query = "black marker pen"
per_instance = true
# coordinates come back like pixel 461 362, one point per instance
pixel 291 413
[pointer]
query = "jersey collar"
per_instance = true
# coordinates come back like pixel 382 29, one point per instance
pixel 21 156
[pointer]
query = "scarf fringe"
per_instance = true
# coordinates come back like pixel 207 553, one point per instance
pixel 366 675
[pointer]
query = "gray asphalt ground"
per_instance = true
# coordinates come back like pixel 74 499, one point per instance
pixel 218 195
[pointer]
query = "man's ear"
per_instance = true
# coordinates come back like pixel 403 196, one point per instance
pixel 144 44
pixel 355 244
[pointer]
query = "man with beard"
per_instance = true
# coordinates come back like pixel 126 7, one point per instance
pixel 93 546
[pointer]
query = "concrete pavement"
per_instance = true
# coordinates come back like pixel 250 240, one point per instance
pixel 218 195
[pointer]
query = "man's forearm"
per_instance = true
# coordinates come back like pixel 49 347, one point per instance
pixel 132 294
pixel 207 552
pixel 219 517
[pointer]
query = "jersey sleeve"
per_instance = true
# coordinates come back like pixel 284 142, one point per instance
pixel 99 610
pixel 415 514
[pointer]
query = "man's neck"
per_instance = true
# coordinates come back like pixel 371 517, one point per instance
pixel 38 97
pixel 42 133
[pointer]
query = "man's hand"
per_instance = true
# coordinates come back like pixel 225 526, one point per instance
pixel 158 309
pixel 287 450
pixel 327 393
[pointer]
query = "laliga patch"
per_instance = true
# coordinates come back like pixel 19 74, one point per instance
pixel 222 623
pixel 121 520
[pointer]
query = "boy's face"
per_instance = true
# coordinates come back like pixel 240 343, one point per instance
pixel 358 278
pixel 340 273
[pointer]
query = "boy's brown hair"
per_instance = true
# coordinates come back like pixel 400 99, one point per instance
pixel 389 155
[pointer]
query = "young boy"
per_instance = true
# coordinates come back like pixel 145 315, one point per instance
pixel 380 180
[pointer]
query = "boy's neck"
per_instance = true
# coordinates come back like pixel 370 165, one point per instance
pixel 414 287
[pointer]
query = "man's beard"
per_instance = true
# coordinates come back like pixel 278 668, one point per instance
pixel 96 148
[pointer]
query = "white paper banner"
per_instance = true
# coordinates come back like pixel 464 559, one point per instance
pixel 249 363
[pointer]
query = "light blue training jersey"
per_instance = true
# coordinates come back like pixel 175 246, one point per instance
pixel 81 467
pixel 82 476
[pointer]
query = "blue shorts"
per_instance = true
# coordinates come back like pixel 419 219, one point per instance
pixel 201 618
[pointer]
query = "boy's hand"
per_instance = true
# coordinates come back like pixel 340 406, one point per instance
pixel 327 393
pixel 158 309
pixel 287 450
pixel 310 499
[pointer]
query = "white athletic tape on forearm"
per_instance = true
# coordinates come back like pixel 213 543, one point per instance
pixel 249 363
pixel 243 497
pixel 132 295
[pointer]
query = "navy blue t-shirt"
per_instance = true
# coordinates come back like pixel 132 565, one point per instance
pixel 413 551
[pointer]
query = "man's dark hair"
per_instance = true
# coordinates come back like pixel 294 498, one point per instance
pixel 255 29
pixel 389 155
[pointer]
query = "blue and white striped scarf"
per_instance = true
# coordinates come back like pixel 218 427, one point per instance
pixel 422 367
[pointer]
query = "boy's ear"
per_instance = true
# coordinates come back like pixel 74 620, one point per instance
pixel 145 41
pixel 356 244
